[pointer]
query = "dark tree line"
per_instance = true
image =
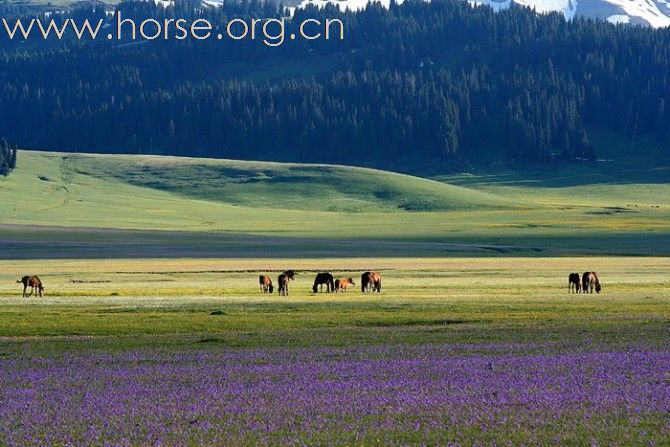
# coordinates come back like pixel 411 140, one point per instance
pixel 7 157
pixel 420 81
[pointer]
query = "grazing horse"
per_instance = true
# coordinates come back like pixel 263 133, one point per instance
pixel 265 284
pixel 283 280
pixel 589 282
pixel 321 279
pixel 574 283
pixel 343 283
pixel 33 282
pixel 371 282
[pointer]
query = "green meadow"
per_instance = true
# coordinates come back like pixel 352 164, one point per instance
pixel 57 205
pixel 152 328
pixel 139 336
pixel 423 300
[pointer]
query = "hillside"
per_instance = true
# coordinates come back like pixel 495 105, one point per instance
pixel 286 185
pixel 84 205
pixel 467 84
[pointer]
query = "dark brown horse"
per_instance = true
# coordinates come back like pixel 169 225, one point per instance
pixel 321 279
pixel 33 282
pixel 265 284
pixel 283 280
pixel 574 283
pixel 590 281
pixel 371 282
pixel 343 283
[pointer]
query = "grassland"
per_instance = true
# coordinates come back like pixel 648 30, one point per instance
pixel 467 350
pixel 153 332
pixel 74 205
pixel 423 299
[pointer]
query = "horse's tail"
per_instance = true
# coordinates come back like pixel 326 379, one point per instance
pixel 19 281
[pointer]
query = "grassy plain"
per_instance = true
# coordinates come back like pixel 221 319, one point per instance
pixel 424 300
pixel 153 331
pixel 75 205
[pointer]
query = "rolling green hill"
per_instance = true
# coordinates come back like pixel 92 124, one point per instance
pixel 180 193
pixel 191 207
pixel 285 185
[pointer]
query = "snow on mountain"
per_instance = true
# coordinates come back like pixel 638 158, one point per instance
pixel 567 7
pixel 655 13
pixel 343 5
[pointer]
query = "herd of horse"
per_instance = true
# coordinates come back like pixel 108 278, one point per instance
pixel 588 283
pixel 370 282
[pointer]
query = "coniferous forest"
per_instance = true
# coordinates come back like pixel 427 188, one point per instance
pixel 420 82
pixel 7 157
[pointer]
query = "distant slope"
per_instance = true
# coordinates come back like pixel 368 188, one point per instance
pixel 75 205
pixel 170 193
pixel 286 185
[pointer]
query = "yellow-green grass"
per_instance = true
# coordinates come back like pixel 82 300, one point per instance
pixel 326 203
pixel 423 300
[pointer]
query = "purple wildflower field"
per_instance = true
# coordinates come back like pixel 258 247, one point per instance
pixel 430 394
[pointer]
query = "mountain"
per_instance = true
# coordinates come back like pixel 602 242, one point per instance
pixel 420 87
pixel 654 13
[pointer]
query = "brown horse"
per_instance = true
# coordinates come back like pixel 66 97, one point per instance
pixel 283 280
pixel 33 282
pixel 343 283
pixel 371 282
pixel 321 279
pixel 573 283
pixel 590 281
pixel 265 284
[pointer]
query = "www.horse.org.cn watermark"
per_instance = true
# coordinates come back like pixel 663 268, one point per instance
pixel 271 31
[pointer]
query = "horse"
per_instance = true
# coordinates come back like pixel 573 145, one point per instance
pixel 343 283
pixel 283 280
pixel 589 282
pixel 574 283
pixel 265 284
pixel 33 282
pixel 371 281
pixel 321 279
